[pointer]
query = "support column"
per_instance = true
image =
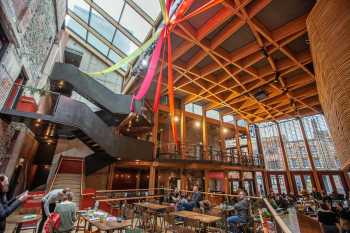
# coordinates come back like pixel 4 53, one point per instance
pixel 285 159
pixel 311 159
pixel 182 131
pixel 205 135
pixel 152 179
pixel 347 180
pixel 222 139
pixel 238 144
pixel 329 35
pixel 110 179
pixel 226 184
pixel 183 180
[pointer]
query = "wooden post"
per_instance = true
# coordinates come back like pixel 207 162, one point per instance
pixel 238 144
pixel 205 135
pixel 152 179
pixel 110 178
pixel 285 159
pixel 226 183
pixel 155 134
pixel 311 159
pixel 250 146
pixel 182 131
pixel 222 139
pixel 206 183
pixel 184 184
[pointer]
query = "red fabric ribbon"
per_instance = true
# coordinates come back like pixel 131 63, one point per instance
pixel 159 85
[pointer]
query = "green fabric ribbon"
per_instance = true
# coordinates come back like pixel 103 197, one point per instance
pixel 129 58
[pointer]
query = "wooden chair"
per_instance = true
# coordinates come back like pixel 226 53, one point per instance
pixel 192 224
pixel 171 224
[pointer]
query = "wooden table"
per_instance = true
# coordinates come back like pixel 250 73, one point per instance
pixel 108 226
pixel 203 218
pixel 19 220
pixel 154 207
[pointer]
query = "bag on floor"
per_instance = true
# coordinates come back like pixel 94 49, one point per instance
pixel 52 223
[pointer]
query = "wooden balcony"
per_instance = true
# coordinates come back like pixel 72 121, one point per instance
pixel 197 152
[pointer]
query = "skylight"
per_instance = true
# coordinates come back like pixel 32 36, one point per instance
pixel 114 28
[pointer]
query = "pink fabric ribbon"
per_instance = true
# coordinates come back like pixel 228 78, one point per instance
pixel 151 69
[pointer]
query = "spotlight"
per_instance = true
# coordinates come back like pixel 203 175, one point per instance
pixel 176 119
pixel 277 76
pixel 197 124
pixel 224 130
pixel 144 62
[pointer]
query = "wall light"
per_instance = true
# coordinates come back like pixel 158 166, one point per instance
pixel 176 119
pixel 224 130
pixel 197 124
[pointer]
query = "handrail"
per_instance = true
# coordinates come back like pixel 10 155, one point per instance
pixel 82 178
pixel 283 226
pixel 129 198
pixel 52 181
pixel 125 190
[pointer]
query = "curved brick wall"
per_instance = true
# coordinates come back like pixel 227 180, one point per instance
pixel 329 32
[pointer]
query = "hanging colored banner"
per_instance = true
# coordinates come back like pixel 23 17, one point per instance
pixel 164 11
pixel 129 58
pixel 159 84
pixel 146 83
pixel 171 89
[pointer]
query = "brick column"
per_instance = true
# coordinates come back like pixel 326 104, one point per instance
pixel 329 35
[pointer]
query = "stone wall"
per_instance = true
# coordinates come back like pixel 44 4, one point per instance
pixel 34 36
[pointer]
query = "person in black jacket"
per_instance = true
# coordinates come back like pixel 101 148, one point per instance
pixel 7 207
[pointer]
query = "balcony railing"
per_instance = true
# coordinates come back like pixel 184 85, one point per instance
pixel 198 152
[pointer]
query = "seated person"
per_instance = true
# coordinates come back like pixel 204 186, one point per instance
pixel 242 209
pixel 196 197
pixel 327 218
pixel 66 211
pixel 344 221
pixel 315 194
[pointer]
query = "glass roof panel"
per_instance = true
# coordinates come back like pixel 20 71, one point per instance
pixel 97 44
pixel 125 23
pixel 123 43
pixel 151 7
pixel 76 27
pixel 135 23
pixel 80 8
pixel 114 57
pixel 112 7
pixel 101 25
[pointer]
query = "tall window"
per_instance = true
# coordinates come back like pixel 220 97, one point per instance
pixel 253 139
pixel 294 145
pixel 321 143
pixel 271 146
pixel 228 119
pixel 213 114
pixel 194 108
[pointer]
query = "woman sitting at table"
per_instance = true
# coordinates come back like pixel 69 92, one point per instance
pixel 66 211
pixel 327 219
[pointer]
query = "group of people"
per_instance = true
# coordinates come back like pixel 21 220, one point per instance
pixel 195 200
pixel 59 201
pixel 332 210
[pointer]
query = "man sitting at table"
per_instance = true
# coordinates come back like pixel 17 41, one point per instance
pixel 193 203
pixel 242 208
